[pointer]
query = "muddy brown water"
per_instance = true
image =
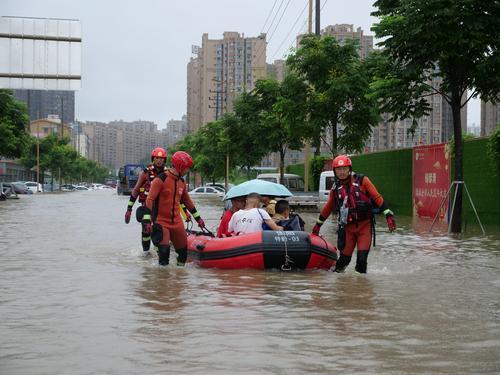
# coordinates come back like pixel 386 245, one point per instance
pixel 77 297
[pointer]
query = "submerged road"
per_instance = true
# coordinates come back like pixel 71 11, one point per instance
pixel 77 297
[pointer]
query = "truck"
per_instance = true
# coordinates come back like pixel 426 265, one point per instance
pixel 127 178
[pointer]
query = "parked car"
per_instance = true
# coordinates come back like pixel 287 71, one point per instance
pixel 219 186
pixel 67 187
pixel 19 187
pixel 34 187
pixel 326 181
pixel 81 187
pixel 207 191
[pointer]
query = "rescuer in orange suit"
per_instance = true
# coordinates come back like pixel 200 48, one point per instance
pixel 141 190
pixel 167 192
pixel 351 198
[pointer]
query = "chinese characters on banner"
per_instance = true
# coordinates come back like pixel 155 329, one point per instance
pixel 431 179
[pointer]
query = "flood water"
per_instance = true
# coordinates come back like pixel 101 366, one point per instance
pixel 77 297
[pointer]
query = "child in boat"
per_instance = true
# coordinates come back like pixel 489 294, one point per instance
pixel 287 220
pixel 251 218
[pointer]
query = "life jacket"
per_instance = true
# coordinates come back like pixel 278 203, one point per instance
pixel 144 189
pixel 358 202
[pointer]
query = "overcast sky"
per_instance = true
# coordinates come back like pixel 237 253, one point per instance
pixel 135 52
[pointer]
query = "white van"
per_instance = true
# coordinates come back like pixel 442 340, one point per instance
pixel 326 180
pixel 292 181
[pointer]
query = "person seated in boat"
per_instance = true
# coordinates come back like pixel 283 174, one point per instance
pixel 237 203
pixel 269 203
pixel 251 218
pixel 286 219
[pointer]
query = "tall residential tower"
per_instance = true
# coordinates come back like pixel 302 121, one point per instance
pixel 219 71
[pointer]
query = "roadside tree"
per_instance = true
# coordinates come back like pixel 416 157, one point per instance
pixel 14 119
pixel 339 109
pixel 456 40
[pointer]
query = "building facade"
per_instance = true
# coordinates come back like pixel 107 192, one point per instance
pixel 490 117
pixel 52 125
pixel 277 70
pixel 176 130
pixel 118 143
pixel 220 70
pixel 437 127
pixel 43 104
pixel 344 32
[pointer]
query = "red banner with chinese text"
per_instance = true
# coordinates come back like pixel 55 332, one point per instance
pixel 431 179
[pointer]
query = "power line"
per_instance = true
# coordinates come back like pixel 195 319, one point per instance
pixel 258 52
pixel 268 16
pixel 279 21
pixel 304 24
pixel 291 30
pixel 272 34
pixel 275 15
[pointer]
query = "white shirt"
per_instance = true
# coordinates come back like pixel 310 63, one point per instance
pixel 248 221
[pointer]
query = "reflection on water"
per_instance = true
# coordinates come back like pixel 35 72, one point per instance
pixel 77 297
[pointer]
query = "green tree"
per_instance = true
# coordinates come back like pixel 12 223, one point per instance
pixel 283 115
pixel 14 138
pixel 456 40
pixel 246 133
pixel 339 109
pixel 272 118
pixel 209 151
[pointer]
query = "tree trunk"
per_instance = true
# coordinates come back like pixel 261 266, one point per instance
pixel 282 166
pixel 317 145
pixel 335 139
pixel 456 220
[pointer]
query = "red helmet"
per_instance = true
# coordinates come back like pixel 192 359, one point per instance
pixel 158 152
pixel 181 160
pixel 342 161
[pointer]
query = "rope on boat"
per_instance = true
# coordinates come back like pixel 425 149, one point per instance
pixel 286 266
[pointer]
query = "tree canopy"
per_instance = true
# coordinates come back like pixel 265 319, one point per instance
pixel 14 120
pixel 444 47
pixel 339 108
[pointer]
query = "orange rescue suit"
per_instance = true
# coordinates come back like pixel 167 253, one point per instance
pixel 358 232
pixel 171 193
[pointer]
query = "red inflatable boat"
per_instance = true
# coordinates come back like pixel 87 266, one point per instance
pixel 262 250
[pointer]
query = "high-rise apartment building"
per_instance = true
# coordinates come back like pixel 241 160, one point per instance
pixel 436 127
pixel 344 32
pixel 220 70
pixel 277 70
pixel 119 142
pixel 490 117
pixel 46 103
pixel 176 130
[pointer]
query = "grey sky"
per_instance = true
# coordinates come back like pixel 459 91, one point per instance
pixel 135 52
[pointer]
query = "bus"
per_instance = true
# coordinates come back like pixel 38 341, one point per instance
pixel 127 178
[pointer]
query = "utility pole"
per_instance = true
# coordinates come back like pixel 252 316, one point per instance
pixel 307 146
pixel 61 137
pixel 224 99
pixel 37 152
pixel 317 24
